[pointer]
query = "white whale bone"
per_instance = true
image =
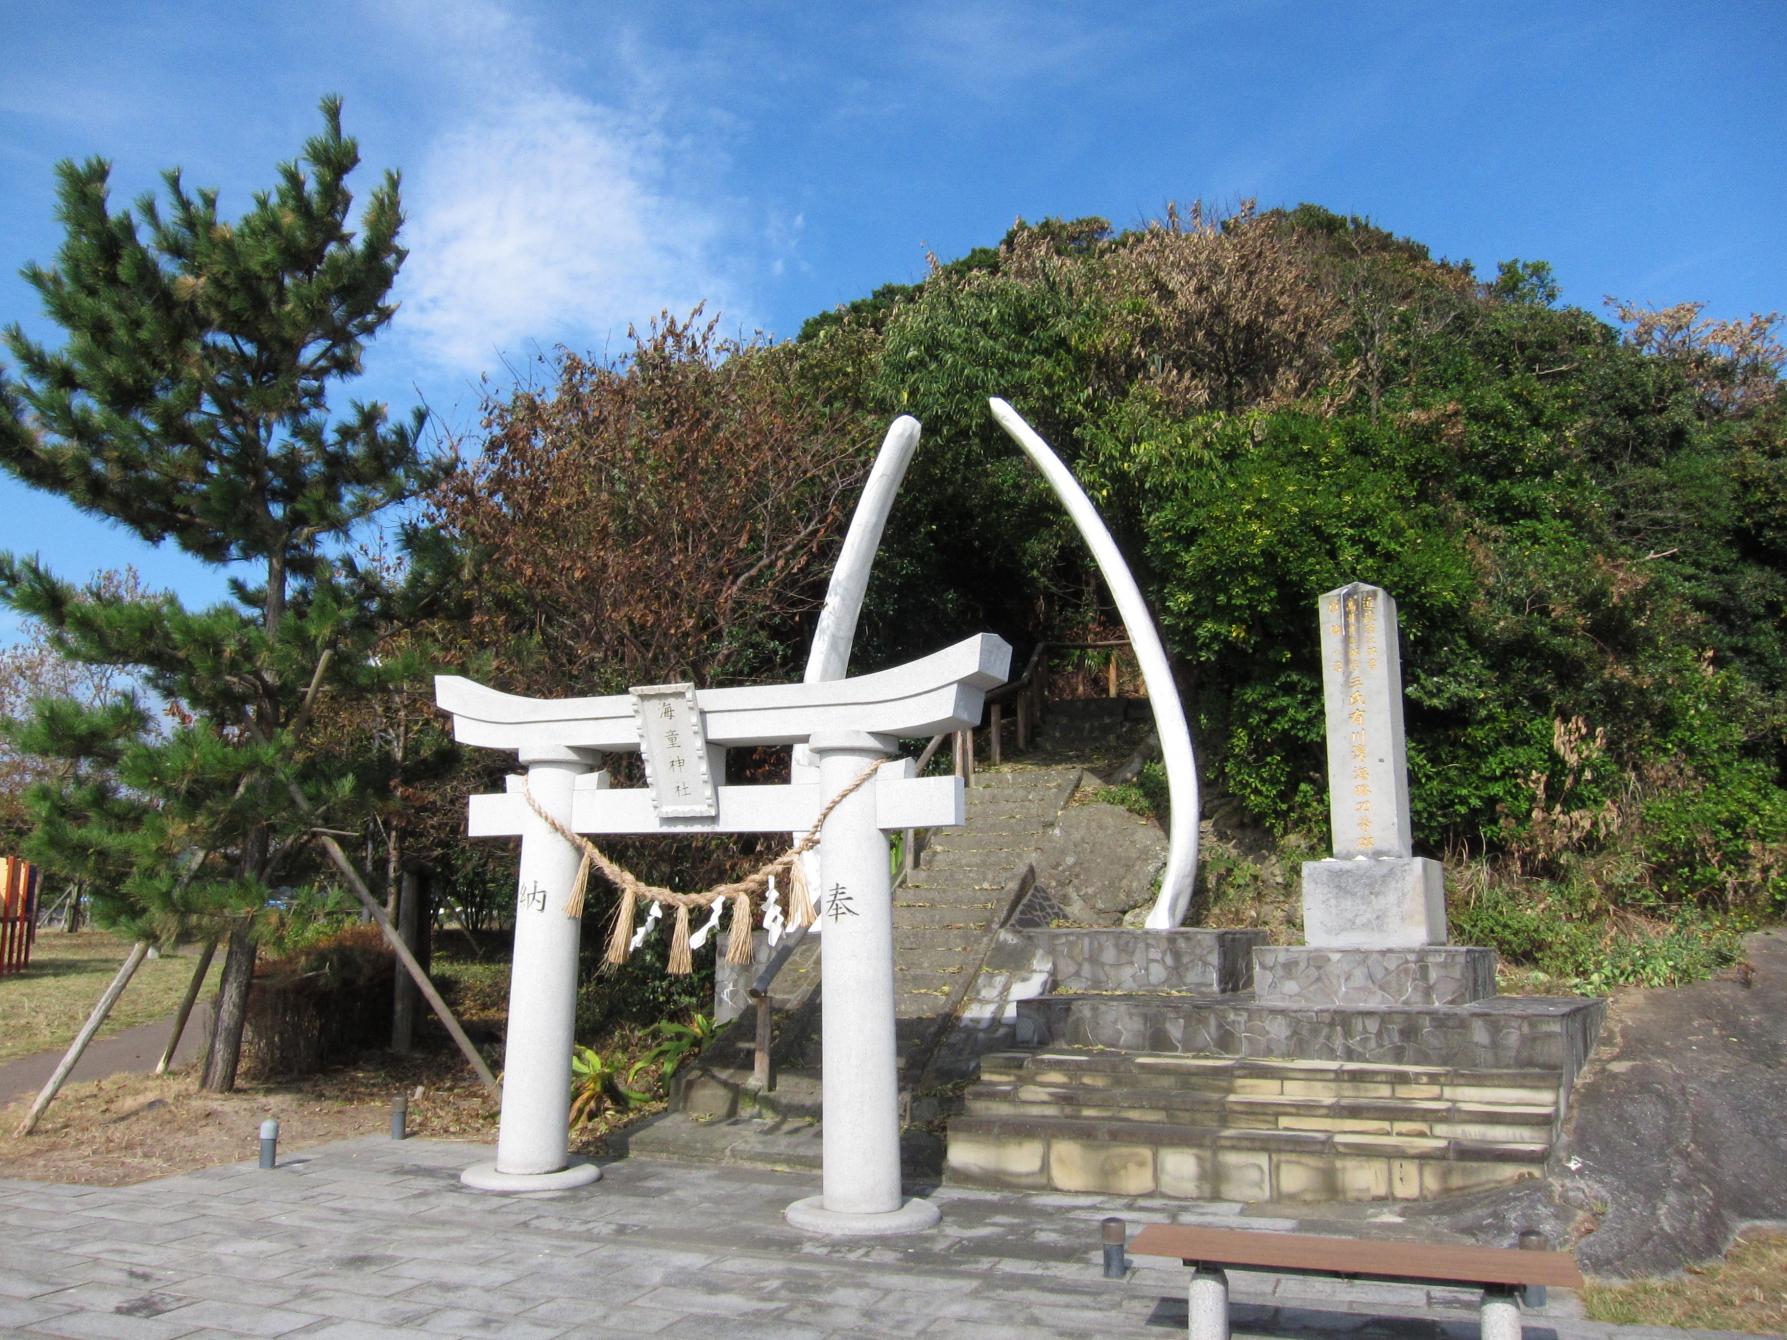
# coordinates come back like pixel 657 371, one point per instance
pixel 835 632
pixel 1174 900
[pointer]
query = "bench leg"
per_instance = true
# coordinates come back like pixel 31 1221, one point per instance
pixel 1500 1315
pixel 1209 1304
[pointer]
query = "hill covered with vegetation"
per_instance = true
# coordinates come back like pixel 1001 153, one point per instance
pixel 1582 517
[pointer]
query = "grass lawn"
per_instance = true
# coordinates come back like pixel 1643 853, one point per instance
pixel 43 1007
pixel 1747 1291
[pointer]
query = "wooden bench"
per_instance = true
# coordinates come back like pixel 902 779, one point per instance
pixel 1505 1275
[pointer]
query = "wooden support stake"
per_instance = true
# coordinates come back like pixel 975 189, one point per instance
pixel 994 727
pixel 760 1059
pixel 138 952
pixel 186 1003
pixel 426 987
pixel 1110 676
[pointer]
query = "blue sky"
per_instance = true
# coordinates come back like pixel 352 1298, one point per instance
pixel 573 168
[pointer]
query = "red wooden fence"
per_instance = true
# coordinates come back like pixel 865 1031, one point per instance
pixel 18 913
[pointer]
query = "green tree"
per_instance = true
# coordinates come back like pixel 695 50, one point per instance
pixel 190 402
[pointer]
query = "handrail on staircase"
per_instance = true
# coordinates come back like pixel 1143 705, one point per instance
pixel 1029 691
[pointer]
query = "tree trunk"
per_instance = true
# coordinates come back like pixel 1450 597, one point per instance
pixel 424 946
pixel 273 608
pixel 137 953
pixel 232 1010
pixel 403 990
pixel 186 1004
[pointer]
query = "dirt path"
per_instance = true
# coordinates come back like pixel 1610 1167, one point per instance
pixel 132 1052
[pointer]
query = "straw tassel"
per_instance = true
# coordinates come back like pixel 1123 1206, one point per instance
pixel 738 946
pixel 681 964
pixel 800 897
pixel 622 931
pixel 580 885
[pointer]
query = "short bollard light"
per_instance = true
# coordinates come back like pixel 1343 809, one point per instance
pixel 269 1141
pixel 400 1111
pixel 1115 1267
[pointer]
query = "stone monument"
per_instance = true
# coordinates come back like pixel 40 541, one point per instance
pixel 1374 913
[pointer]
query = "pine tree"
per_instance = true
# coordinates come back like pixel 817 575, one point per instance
pixel 190 402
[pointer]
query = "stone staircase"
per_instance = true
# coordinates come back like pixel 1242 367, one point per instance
pixel 1227 1128
pixel 945 915
pixel 1218 1090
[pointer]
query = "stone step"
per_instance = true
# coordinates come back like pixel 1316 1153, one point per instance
pixel 1038 796
pixel 922 1002
pixel 1550 1033
pixel 783 1144
pixel 933 960
pixel 924 992
pixel 959 940
pixel 1133 1158
pixel 1019 776
pixel 1101 1071
pixel 973 846
pixel 1425 1119
pixel 1012 826
pixel 974 886
pixel 955 877
pixel 714 1092
pixel 965 913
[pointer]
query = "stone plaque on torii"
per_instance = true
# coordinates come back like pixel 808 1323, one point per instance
pixel 845 726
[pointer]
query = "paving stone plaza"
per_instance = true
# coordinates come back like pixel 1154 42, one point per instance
pixel 379 1238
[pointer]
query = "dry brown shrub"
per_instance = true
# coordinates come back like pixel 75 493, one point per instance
pixel 320 1005
pixel 1734 365
pixel 666 518
pixel 1221 313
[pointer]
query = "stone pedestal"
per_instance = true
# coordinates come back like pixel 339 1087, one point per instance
pixel 1374 902
pixel 532 1146
pixel 1323 978
pixel 860 1125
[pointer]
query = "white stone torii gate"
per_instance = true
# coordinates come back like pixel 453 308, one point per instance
pixel 846 725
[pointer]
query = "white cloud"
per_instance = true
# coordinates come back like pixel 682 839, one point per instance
pixel 542 217
pixel 987 47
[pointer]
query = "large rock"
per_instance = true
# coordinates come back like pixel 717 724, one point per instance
pixel 1679 1130
pixel 1099 862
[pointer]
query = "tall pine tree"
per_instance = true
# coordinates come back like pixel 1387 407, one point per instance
pixel 190 402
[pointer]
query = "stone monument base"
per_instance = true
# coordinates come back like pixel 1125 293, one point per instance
pixel 1374 902
pixel 1315 978
pixel 1324 1074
